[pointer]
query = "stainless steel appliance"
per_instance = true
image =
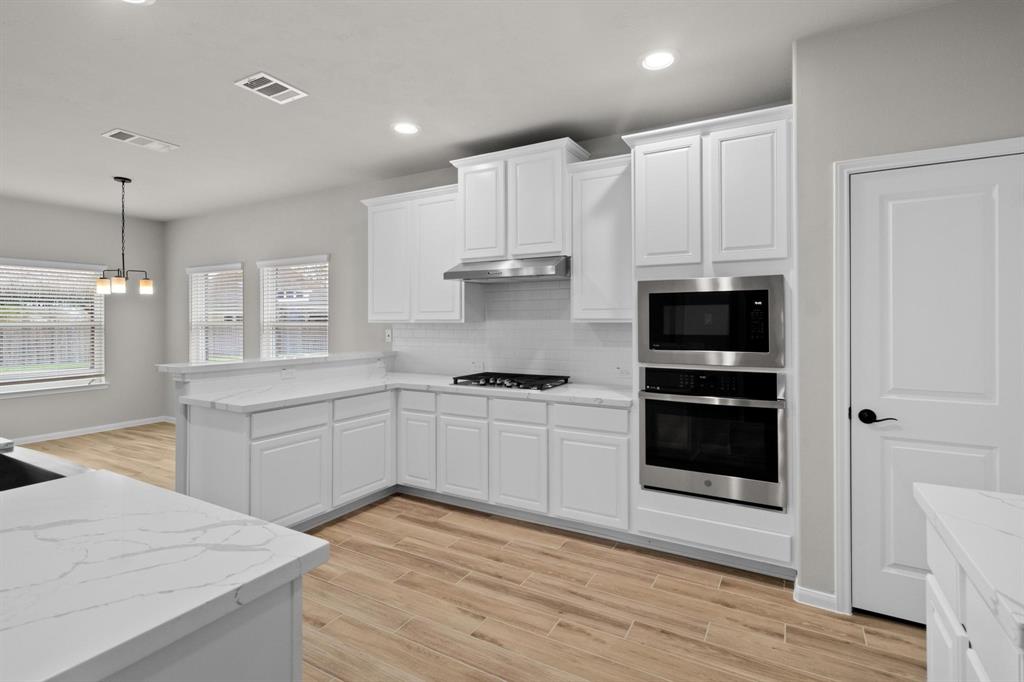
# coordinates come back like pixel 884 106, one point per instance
pixel 535 382
pixel 725 321
pixel 714 433
pixel 531 269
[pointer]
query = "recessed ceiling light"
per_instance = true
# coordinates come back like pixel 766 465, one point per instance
pixel 405 128
pixel 656 61
pixel 139 2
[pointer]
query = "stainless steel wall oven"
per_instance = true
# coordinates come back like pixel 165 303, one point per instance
pixel 713 433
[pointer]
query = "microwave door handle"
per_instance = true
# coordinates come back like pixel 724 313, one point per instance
pixel 713 400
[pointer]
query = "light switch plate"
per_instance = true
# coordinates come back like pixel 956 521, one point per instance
pixel 387 334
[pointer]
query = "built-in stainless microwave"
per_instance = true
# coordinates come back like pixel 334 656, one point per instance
pixel 723 321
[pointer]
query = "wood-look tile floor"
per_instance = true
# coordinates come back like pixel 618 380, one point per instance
pixel 420 590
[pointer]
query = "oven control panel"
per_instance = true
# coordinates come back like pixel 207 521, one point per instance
pixel 750 385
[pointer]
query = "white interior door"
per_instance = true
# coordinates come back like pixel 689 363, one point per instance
pixel 937 298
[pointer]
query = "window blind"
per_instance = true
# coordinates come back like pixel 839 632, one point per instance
pixel 293 307
pixel 215 313
pixel 51 322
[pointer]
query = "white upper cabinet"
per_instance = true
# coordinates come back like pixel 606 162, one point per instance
pixel 602 269
pixel 511 203
pixel 748 192
pixel 481 210
pixel 433 297
pixel 389 234
pixel 666 187
pixel 413 239
pixel 719 188
pixel 535 203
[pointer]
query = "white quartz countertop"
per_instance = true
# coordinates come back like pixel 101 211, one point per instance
pixel 985 532
pixel 211 368
pixel 98 570
pixel 298 392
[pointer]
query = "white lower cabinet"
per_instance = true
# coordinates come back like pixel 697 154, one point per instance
pixel 974 671
pixel 590 477
pixel 946 637
pixel 462 457
pixel 417 449
pixel 519 466
pixel 291 476
pixel 362 457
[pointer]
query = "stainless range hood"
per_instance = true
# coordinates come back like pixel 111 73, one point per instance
pixel 550 267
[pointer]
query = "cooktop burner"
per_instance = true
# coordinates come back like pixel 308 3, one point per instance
pixel 535 382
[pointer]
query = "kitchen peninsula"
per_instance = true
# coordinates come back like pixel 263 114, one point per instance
pixel 106 577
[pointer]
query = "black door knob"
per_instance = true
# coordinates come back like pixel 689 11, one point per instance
pixel 869 417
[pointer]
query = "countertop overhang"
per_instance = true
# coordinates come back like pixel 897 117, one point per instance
pixel 97 571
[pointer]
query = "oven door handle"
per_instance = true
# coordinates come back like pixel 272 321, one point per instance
pixel 713 400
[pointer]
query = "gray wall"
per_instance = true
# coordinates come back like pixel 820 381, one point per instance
pixel 935 78
pixel 331 221
pixel 134 324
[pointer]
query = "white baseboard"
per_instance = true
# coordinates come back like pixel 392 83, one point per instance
pixel 816 598
pixel 25 440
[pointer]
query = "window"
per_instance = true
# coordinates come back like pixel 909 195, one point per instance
pixel 51 325
pixel 215 313
pixel 293 307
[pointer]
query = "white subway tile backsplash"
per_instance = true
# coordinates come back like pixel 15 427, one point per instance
pixel 527 329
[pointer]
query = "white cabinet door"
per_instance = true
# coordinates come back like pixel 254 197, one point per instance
pixel 748 192
pixel 417 448
pixel 481 210
pixel 946 637
pixel 435 298
pixel 462 457
pixel 519 466
pixel 291 476
pixel 974 670
pixel 362 457
pixel 602 269
pixel 535 205
pixel 590 478
pixel 388 237
pixel 666 201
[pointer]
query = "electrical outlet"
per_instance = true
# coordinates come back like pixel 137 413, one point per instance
pixel 387 334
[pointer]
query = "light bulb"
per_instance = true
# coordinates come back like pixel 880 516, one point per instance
pixel 146 287
pixel 102 286
pixel 118 285
pixel 656 61
pixel 405 128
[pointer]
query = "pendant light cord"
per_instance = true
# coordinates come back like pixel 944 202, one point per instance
pixel 124 268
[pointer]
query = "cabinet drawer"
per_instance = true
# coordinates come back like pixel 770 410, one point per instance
pixel 947 572
pixel 519 411
pixel 289 419
pixel 360 405
pixel 420 401
pixel 999 657
pixel 468 405
pixel 590 418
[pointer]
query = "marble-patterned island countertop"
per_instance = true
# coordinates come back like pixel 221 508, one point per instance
pixel 985 532
pixel 97 571
pixel 297 392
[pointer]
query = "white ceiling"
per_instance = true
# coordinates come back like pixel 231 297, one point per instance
pixel 476 75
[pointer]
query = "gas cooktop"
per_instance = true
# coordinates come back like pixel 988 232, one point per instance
pixel 535 382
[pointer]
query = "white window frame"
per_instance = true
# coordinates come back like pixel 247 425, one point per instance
pixel 55 383
pixel 194 325
pixel 269 328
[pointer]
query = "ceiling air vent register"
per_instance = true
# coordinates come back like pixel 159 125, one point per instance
pixel 149 143
pixel 274 89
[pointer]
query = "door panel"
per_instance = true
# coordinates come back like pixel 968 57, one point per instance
pixel 667 205
pixel 481 214
pixel 417 450
pixel 362 457
pixel 435 298
pixel 462 457
pixel 291 476
pixel 388 244
pixel 519 466
pixel 936 319
pixel 535 204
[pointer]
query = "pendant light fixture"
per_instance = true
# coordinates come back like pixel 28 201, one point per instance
pixel 118 284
